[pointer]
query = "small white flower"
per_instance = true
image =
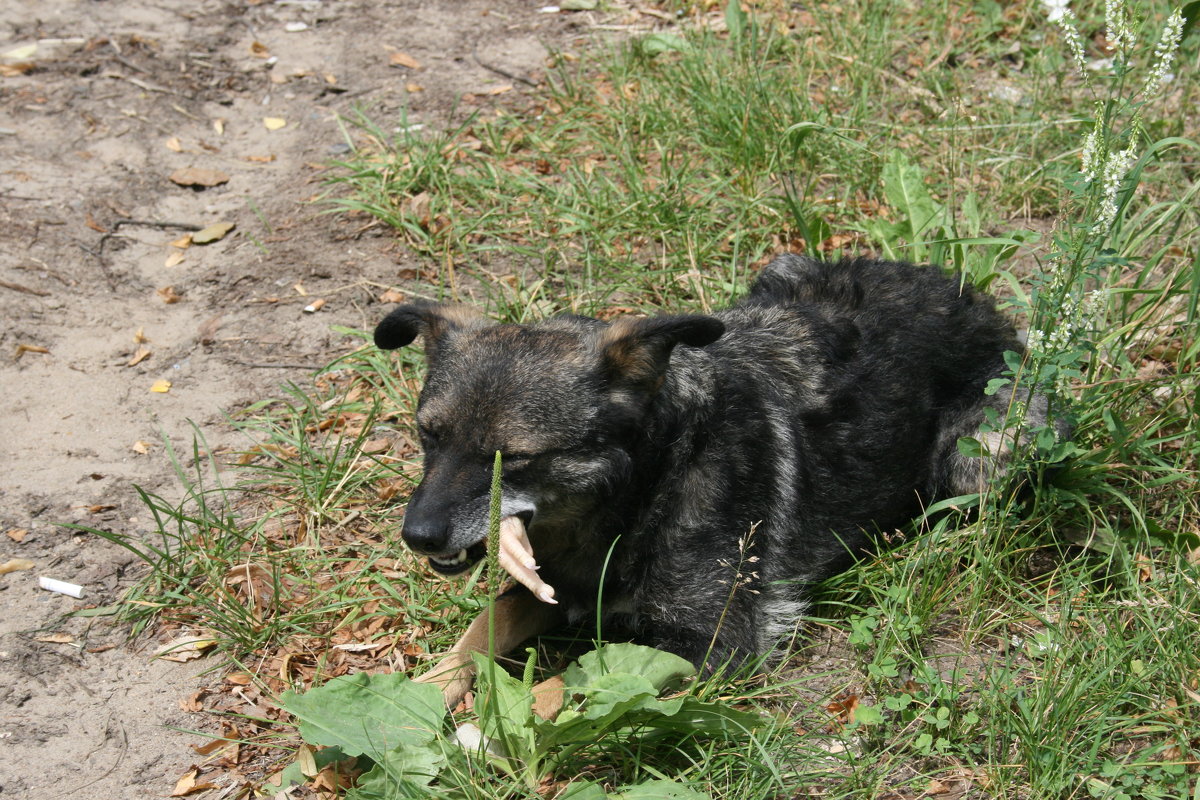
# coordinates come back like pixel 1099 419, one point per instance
pixel 1055 9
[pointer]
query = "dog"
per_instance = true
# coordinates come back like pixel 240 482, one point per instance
pixel 697 474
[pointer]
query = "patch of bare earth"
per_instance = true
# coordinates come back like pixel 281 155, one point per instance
pixel 100 307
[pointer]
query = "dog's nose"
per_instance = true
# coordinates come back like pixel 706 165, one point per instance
pixel 427 536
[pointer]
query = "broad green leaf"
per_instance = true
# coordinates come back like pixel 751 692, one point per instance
pixel 368 714
pixel 904 187
pixel 657 666
pixel 402 773
pixel 660 790
pixel 505 708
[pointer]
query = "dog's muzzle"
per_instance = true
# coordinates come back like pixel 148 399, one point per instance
pixel 461 561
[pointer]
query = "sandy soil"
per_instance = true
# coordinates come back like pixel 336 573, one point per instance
pixel 91 127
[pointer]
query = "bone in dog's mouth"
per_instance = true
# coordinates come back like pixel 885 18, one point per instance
pixel 516 557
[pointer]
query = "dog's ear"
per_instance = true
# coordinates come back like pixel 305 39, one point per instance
pixel 636 350
pixel 431 320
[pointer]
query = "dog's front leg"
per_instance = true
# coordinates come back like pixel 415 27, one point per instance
pixel 519 616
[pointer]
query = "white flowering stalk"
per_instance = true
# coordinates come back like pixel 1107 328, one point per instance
pixel 1116 22
pixel 1070 28
pixel 1115 170
pixel 1093 155
pixel 1164 55
pixel 1055 9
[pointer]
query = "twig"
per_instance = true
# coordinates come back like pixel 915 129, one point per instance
pixel 149 87
pixel 250 365
pixel 153 223
pixel 502 72
pixel 16 287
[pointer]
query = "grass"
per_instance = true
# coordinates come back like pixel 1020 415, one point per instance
pixel 1044 647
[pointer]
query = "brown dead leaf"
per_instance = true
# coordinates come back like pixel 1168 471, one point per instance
pixel 90 221
pixel 413 88
pixel 267 159
pixel 17 69
pixel 508 87
pixel 99 508
pixel 174 259
pixel 140 447
pixel 195 176
pixel 17 534
pixel 239 678
pixel 208 331
pixel 55 638
pixel 183 242
pixel 194 702
pixel 169 295
pixel 174 144
pixel 259 50
pixel 140 355
pixel 392 296
pixel 403 60
pixel 140 336
pixel 188 785
pixel 15 565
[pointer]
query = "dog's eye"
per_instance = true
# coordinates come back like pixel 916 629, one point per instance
pixel 516 460
pixel 429 439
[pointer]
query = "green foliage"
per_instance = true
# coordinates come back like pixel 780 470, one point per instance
pixel 396 726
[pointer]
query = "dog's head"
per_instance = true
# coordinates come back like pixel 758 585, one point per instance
pixel 564 401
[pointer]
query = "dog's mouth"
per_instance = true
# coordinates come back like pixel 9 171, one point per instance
pixel 461 561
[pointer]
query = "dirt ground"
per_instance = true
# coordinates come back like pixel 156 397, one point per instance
pixel 117 96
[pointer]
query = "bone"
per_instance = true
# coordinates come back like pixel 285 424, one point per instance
pixel 516 556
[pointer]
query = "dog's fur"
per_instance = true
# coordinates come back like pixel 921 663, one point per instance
pixel 709 469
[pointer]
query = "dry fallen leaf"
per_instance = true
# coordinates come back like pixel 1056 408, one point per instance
pixel 140 337
pixel 22 52
pixel 187 784
pixel 174 259
pixel 219 126
pixel 185 648
pixel 413 87
pixel 161 386
pixel 140 447
pixel 259 50
pixel 96 226
pixel 195 176
pixel 392 296
pixel 274 123
pixel 17 534
pixel 508 87
pixel 213 233
pixel 169 295
pixel 15 564
pixel 139 355
pixel 183 242
pixel 55 638
pixel 260 159
pixel 403 60
pixel 174 144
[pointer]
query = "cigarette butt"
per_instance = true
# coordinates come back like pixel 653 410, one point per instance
pixel 62 587
pixel 314 306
